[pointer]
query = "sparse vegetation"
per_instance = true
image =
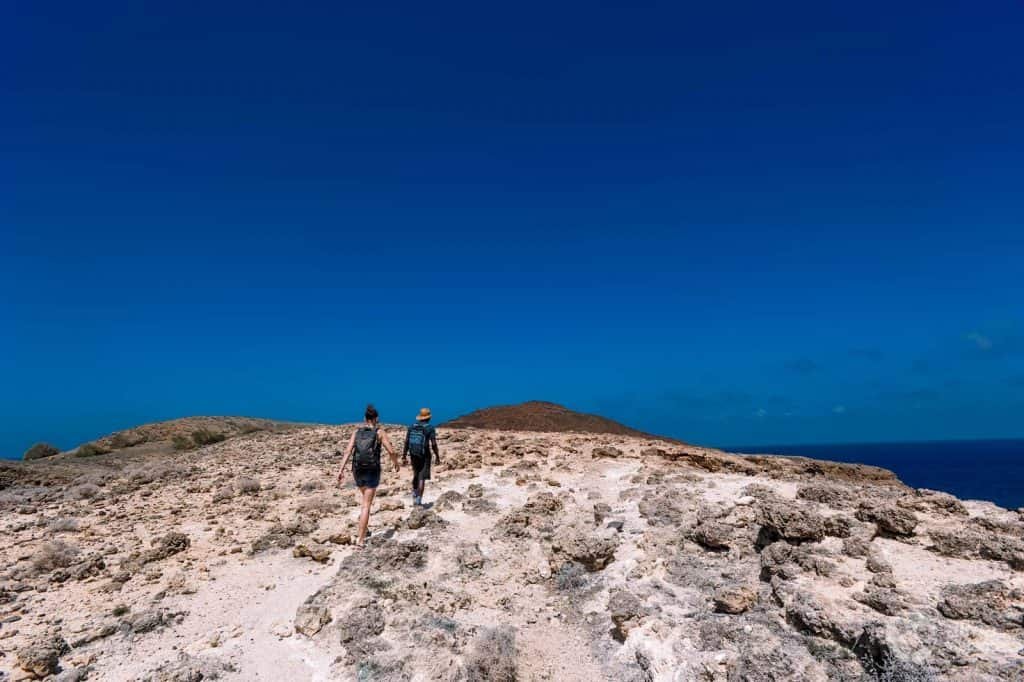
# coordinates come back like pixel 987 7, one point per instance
pixel 247 485
pixel 203 437
pixel 492 657
pixel 571 577
pixel 40 451
pixel 222 494
pixel 181 442
pixel 125 439
pixel 311 485
pixel 894 670
pixel 316 506
pixel 54 554
pixel 90 450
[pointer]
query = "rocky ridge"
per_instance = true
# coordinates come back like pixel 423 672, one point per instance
pixel 561 556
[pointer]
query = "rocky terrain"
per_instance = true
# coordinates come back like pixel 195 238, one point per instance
pixel 539 415
pixel 540 556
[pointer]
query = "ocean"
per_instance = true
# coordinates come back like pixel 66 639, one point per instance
pixel 970 469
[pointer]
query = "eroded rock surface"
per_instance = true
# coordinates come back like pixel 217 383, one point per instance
pixel 558 556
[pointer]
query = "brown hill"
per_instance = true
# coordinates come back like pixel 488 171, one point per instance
pixel 538 415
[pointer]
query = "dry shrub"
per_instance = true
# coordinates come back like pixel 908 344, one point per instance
pixel 316 506
pixel 206 437
pixel 492 657
pixel 54 554
pixel 247 485
pixel 90 450
pixel 224 493
pixel 312 485
pixel 39 451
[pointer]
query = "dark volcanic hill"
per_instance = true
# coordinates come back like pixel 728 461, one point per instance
pixel 538 415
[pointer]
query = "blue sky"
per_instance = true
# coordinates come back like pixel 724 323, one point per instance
pixel 735 225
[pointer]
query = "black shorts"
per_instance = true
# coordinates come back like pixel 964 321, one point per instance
pixel 367 478
pixel 420 468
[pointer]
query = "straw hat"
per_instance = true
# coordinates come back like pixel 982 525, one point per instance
pixel 424 415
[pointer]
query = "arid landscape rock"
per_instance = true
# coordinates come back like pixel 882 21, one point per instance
pixel 544 556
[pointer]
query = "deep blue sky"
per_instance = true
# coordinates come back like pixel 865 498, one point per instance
pixel 753 223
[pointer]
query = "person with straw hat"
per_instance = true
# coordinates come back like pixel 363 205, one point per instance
pixel 420 440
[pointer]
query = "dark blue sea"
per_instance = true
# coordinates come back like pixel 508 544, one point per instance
pixel 970 469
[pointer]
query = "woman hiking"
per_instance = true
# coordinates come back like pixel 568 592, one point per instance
pixel 364 448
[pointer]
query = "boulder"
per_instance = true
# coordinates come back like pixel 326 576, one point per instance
pixel 713 535
pixel 41 657
pixel 316 552
pixel 625 610
pixel 311 618
pixel 734 599
pixel 607 451
pixel 785 520
pixel 991 602
pixel 593 551
pixel 890 519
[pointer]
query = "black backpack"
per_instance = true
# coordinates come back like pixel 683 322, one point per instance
pixel 417 440
pixel 367 453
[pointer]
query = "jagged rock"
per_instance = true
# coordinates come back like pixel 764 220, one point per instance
pixel 316 552
pixel 932 501
pixel 991 602
pixel 607 451
pixel 838 526
pixel 469 557
pixel 834 496
pixel 787 521
pixel 856 546
pixel 448 500
pixel 593 551
pixel 311 618
pixel 625 610
pixel 734 599
pixel 93 634
pixel 276 537
pixel 147 621
pixel 813 615
pixel 41 657
pixel 358 630
pixel 882 598
pixel 474 491
pixel 478 505
pixel 789 561
pixel 420 517
pixel 713 535
pixel 891 520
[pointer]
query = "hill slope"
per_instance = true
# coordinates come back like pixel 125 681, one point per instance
pixel 538 415
pixel 602 557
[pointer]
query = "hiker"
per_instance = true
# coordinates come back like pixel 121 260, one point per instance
pixel 420 439
pixel 364 448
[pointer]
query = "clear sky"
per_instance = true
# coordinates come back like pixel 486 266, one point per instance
pixel 734 223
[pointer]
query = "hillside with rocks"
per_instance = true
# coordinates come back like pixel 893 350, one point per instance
pixel 540 556
pixel 542 416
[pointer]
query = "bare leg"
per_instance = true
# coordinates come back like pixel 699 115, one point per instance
pixel 364 515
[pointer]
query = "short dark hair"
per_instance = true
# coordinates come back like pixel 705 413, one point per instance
pixel 371 413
